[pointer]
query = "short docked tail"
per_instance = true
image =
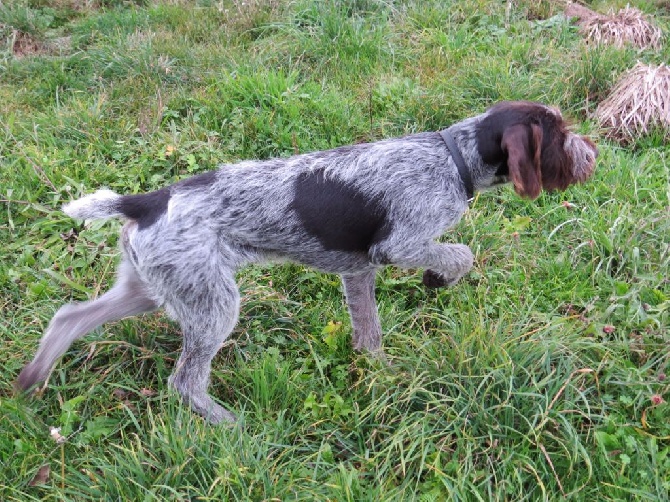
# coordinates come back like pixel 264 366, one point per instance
pixel 99 205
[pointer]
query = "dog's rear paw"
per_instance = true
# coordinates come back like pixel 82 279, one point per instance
pixel 207 408
pixel 30 375
pixel 217 414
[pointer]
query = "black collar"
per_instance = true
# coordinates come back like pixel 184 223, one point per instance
pixel 458 160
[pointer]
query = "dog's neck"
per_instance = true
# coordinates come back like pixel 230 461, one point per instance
pixel 457 157
pixel 482 175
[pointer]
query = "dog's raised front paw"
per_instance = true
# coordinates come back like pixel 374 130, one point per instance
pixel 434 279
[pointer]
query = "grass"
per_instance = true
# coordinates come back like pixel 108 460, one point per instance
pixel 536 377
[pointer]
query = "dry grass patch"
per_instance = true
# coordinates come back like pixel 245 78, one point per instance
pixel 23 44
pixel 638 104
pixel 628 25
pixel 243 16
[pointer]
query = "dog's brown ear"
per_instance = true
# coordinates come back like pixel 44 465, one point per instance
pixel 523 146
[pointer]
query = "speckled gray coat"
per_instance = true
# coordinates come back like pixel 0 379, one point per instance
pixel 348 211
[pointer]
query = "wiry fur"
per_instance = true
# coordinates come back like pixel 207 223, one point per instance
pixel 348 211
pixel 96 205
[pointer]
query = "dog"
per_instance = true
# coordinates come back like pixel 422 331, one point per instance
pixel 349 211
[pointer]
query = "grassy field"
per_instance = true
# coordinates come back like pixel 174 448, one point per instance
pixel 540 375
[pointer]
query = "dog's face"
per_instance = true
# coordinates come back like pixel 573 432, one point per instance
pixel 533 147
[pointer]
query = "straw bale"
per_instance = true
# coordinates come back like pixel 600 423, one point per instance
pixel 638 104
pixel 628 25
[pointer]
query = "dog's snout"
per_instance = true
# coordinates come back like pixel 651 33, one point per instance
pixel 592 145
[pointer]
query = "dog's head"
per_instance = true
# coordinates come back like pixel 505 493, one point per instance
pixel 533 147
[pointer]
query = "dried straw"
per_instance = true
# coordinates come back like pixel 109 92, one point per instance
pixel 628 25
pixel 638 104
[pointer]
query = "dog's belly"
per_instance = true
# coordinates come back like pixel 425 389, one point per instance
pixel 310 254
pixel 334 262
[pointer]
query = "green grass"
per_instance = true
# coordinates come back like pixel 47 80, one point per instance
pixel 530 379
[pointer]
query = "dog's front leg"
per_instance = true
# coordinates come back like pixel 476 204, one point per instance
pixel 359 291
pixel 445 264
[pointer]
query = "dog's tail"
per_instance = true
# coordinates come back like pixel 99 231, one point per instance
pixel 99 205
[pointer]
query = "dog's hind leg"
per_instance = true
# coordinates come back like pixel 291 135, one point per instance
pixel 207 316
pixel 128 297
pixel 359 291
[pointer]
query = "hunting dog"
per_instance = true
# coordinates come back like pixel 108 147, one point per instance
pixel 349 211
